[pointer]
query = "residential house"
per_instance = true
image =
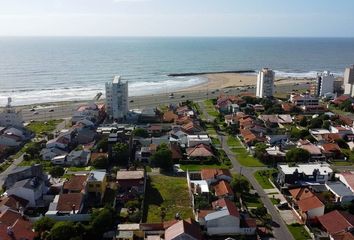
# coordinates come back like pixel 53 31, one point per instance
pixel 304 100
pixel 60 160
pixel 225 220
pixel 186 230
pixel 214 175
pixel 191 128
pixel 50 153
pixel 176 152
pixel 331 150
pixel 304 174
pixel 341 192
pixel 14 226
pixel 169 116
pixel 223 190
pixel 193 140
pixel 70 203
pixel 336 223
pixel 62 141
pixel 30 189
pixel 79 157
pixel 308 205
pixel 97 183
pixel 76 184
pixel 85 135
pixel 200 151
pixel 97 155
pixel 315 151
pixel 347 178
pixel 341 130
pixel 10 140
pixel 132 180
pixel 279 119
pixel 13 202
pixel 24 172
pixel 223 104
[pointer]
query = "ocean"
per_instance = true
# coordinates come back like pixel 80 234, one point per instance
pixel 47 69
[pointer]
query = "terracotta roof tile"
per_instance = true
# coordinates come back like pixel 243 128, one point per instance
pixel 200 150
pixel 226 203
pixel 223 188
pixel 67 201
pixel 213 173
pixel 309 203
pixel 183 227
pixel 334 222
pixel 76 183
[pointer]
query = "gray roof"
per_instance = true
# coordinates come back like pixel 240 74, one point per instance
pixel 217 214
pixel 30 183
pixel 339 188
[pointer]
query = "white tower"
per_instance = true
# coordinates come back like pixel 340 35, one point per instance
pixel 10 117
pixel 265 83
pixel 324 84
pixel 349 81
pixel 117 98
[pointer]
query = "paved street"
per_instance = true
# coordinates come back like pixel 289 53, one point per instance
pixel 280 230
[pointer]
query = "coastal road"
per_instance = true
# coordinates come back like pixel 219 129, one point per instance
pixel 280 230
pixel 64 110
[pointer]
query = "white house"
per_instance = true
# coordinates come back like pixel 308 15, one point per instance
pixel 265 83
pixel 225 220
pixel 59 160
pixel 31 189
pixel 79 158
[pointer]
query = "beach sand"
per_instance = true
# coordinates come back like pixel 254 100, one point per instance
pixel 227 80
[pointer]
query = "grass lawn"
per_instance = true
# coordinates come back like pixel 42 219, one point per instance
pixel 170 193
pixel 233 141
pixel 40 126
pixel 341 163
pixel 198 167
pixel 4 166
pixel 275 201
pixel 245 159
pixel 210 108
pixel 262 177
pixel 251 200
pixel 215 141
pixel 298 231
pixel 211 131
pixel 47 165
pixel 78 169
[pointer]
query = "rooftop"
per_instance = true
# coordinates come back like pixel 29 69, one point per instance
pixel 307 169
pixel 129 175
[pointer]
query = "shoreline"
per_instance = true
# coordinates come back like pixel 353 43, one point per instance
pixel 212 81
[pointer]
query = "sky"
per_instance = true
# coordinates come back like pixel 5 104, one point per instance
pixel 259 18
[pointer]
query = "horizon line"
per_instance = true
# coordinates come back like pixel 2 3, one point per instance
pixel 171 36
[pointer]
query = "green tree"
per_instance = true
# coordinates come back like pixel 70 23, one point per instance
pixel 33 149
pixel 326 124
pixel 101 162
pixel 120 152
pixel 132 205
pixel 260 211
pixel 63 230
pixel 141 132
pixel 43 224
pixel 346 105
pixel 316 123
pixel 240 184
pixel 341 143
pixel 102 145
pixel 135 217
pixel 56 171
pixel 303 122
pixel 102 220
pixel 260 150
pixel 297 155
pixel 201 202
pixel 162 158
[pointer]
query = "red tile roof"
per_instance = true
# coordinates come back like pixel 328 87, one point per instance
pixel 300 193
pixel 200 150
pixel 349 178
pixel 213 173
pixel 21 229
pixel 334 222
pixel 13 202
pixel 68 201
pixel 223 188
pixel 169 116
pixel 331 147
pixel 309 203
pixel 76 183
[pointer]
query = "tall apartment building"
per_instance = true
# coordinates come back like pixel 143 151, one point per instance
pixel 117 98
pixel 265 83
pixel 349 81
pixel 324 84
pixel 10 116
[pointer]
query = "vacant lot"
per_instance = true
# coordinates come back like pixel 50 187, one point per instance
pixel 170 193
pixel 210 108
pixel 46 127
pixel 233 142
pixel 298 231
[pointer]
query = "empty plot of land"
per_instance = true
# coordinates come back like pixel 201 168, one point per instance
pixel 169 194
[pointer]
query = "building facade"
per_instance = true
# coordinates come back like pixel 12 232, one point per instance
pixel 324 84
pixel 117 98
pixel 349 81
pixel 265 83
pixel 10 116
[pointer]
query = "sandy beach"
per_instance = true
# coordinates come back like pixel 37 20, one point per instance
pixel 228 80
